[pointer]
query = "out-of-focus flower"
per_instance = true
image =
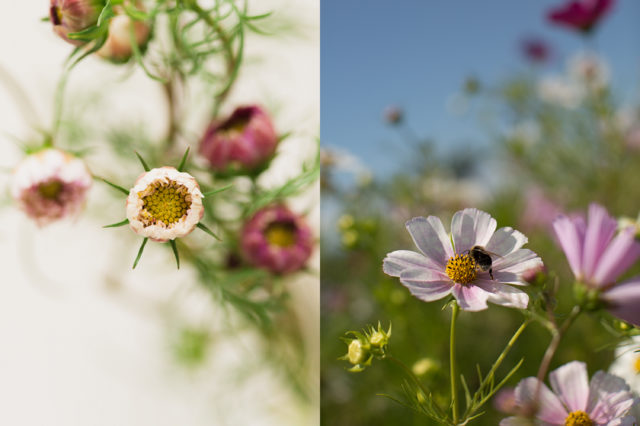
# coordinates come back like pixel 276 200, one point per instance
pixel 277 239
pixel 574 401
pixel 50 185
pixel 561 91
pixel 243 143
pixel 164 204
pixel 393 115
pixel 539 210
pixel 536 50
pixel 425 366
pixel 442 268
pixel 623 300
pixel 595 256
pixel 580 15
pixel 589 70
pixel 118 47
pixel 627 363
pixel 70 16
pixel 505 401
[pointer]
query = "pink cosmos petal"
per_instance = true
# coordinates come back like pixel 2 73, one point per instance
pixel 600 230
pixel 571 383
pixel 625 421
pixel 426 284
pixel 470 298
pixel 571 241
pixel 504 295
pixel 550 409
pixel 430 237
pixel 398 261
pixel 609 398
pixel 624 300
pixel 505 241
pixel 623 251
pixel 516 421
pixel 471 227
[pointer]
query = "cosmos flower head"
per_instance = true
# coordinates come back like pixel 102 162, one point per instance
pixel 243 143
pixel 575 401
pixel 277 239
pixel 50 185
pixel 580 15
pixel 71 16
pixel 626 363
pixel 164 204
pixel 117 48
pixel 446 267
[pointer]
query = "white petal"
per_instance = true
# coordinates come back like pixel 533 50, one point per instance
pixel 571 383
pixel 504 295
pixel 430 237
pixel 506 240
pixel 550 409
pixel 426 284
pixel 609 397
pixel 471 227
pixel 470 298
pixel 399 260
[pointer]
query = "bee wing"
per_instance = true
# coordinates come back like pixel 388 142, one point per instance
pixel 493 254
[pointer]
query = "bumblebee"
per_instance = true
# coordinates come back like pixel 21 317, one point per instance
pixel 483 260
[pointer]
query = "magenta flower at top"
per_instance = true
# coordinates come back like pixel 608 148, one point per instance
pixel 574 401
pixel 277 239
pixel 445 266
pixel 580 15
pixel 243 143
pixel 70 16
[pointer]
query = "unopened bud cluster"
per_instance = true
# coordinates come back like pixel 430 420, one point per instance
pixel 363 347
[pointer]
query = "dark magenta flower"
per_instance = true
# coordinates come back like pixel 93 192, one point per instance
pixel 536 50
pixel 277 239
pixel 580 15
pixel 70 16
pixel 243 143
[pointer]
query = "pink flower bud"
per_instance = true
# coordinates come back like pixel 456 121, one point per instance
pixel 70 16
pixel 118 47
pixel 50 185
pixel 277 239
pixel 243 143
pixel 580 15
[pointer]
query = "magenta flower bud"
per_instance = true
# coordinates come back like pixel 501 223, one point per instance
pixel 118 46
pixel 580 15
pixel 70 16
pixel 536 50
pixel 277 239
pixel 243 143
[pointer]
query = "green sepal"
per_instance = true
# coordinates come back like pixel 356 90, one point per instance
pixel 174 247
pixel 208 231
pixel 116 225
pixel 216 191
pixel 184 159
pixel 113 185
pixel 145 166
pixel 144 243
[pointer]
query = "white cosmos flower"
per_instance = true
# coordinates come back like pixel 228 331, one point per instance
pixel 627 363
pixel 164 204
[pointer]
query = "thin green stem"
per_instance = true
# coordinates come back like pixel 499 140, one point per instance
pixel 452 363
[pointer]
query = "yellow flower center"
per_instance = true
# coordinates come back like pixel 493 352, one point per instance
pixel 164 202
pixel 50 190
pixel 578 418
pixel 462 269
pixel 281 234
pixel 636 364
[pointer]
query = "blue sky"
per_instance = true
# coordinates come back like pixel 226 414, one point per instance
pixel 417 53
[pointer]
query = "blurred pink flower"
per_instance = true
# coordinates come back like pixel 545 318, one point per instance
pixel 623 301
pixel 539 210
pixel 596 258
pixel 393 115
pixel 243 143
pixel 536 50
pixel 50 185
pixel 574 401
pixel 505 401
pixel 443 268
pixel 70 16
pixel 580 15
pixel 118 46
pixel 277 239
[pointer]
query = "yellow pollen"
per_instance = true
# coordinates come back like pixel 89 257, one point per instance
pixel 461 269
pixel 636 364
pixel 164 202
pixel 281 234
pixel 578 418
pixel 50 190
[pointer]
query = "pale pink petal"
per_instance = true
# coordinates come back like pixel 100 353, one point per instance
pixel 517 421
pixel 625 421
pixel 571 241
pixel 398 261
pixel 624 301
pixel 600 230
pixel 609 398
pixel 426 284
pixel 504 295
pixel 430 237
pixel 571 383
pixel 550 409
pixel 506 240
pixel 517 262
pixel 470 298
pixel 623 251
pixel 471 227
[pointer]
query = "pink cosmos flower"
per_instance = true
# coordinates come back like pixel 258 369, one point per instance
pixel 50 185
pixel 243 143
pixel 539 211
pixel 277 239
pixel 596 257
pixel 70 16
pixel 580 15
pixel 443 268
pixel 536 50
pixel 574 401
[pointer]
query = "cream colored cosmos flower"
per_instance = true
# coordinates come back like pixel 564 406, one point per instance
pixel 164 204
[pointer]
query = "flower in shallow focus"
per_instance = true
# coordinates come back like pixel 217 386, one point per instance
pixel 589 70
pixel 50 185
pixel 442 268
pixel 580 15
pixel 164 204
pixel 277 239
pixel 70 16
pixel 574 401
pixel 118 47
pixel 627 363
pixel 561 91
pixel 536 50
pixel 243 143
